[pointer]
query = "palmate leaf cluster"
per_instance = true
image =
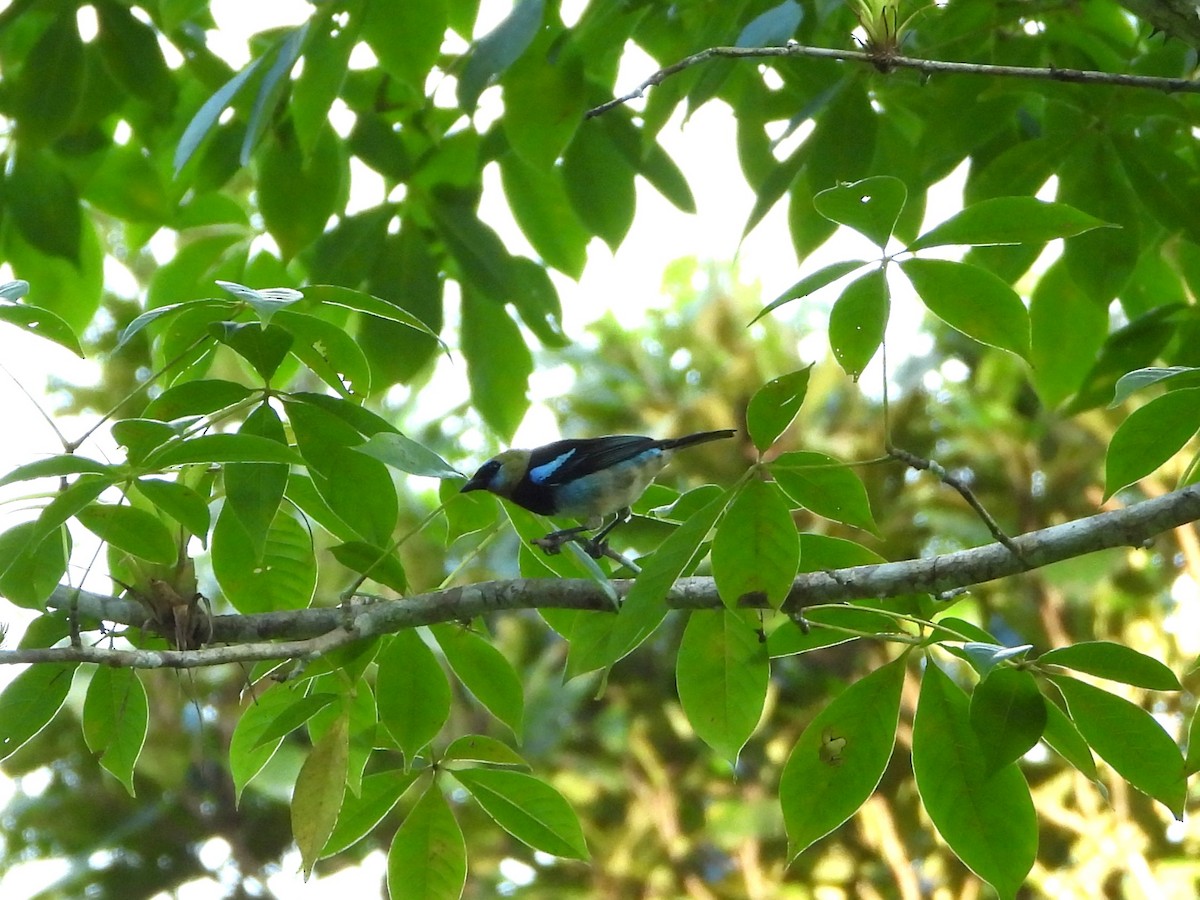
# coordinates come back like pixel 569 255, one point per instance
pixel 264 462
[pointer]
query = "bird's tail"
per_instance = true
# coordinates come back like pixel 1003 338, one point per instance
pixel 700 437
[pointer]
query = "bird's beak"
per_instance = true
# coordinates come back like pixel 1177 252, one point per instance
pixel 474 484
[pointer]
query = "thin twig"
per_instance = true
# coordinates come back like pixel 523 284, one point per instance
pixel 62 438
pixel 186 659
pixel 949 478
pixel 886 62
pixel 74 445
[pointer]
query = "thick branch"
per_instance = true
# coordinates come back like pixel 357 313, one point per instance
pixel 309 632
pixel 887 62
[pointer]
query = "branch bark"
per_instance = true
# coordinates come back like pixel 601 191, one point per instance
pixel 886 62
pixel 307 633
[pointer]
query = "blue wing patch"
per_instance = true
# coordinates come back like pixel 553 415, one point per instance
pixel 539 474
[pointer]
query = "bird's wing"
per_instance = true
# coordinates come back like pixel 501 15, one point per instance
pixel 566 461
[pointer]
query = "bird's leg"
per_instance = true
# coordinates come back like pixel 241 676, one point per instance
pixel 553 542
pixel 596 546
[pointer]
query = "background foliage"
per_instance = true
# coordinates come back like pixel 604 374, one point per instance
pixel 125 134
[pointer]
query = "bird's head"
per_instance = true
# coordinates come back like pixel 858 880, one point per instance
pixel 501 474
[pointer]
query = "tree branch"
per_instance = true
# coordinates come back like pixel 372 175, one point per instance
pixel 305 633
pixel 886 62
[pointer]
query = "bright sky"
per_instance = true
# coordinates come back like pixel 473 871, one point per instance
pixel 627 282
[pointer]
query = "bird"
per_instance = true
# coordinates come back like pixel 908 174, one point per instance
pixel 583 478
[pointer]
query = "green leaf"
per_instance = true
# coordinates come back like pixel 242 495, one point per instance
pixel 1092 179
pixel 368 305
pixel 292 717
pixel 41 322
pixel 1113 661
pixel 380 793
pixel 56 467
pixel 987 818
pixel 484 672
pixel 329 351
pixel 756 551
pixel 29 570
pixel 1191 764
pixel 782 177
pixel 406 37
pixel 253 491
pixel 1061 734
pixel 247 754
pixel 660 170
pixel 283 576
pixel 871 206
pixel 528 809
pixel 774 406
pixel 825 486
pixel 1132 382
pixel 538 200
pixel 481 748
pixel 972 300
pixel 857 322
pixel 984 656
pixel 13 290
pixel 141 436
pixel 374 562
pixel 645 606
pixel 44 99
pixel 428 856
pixel 179 502
pixel 129 186
pixel 600 182
pixel 304 494
pixel 498 49
pixel 810 284
pixel 30 701
pixel 843 621
pixel 1150 436
pixel 67 503
pixel 413 693
pixel 298 191
pixel 721 674
pixel 1129 739
pixel 544 101
pixel 358 700
pixel 498 364
pixel 1008 716
pixel 131 53
pixel 115 718
pixel 275 80
pixel 207 117
pixel 223 448
pixel 1009 220
pixel 357 488
pixel 820 552
pixel 840 757
pixel 133 530
pixel 264 347
pixel 407 455
pixel 1067 330
pixel 772 27
pixel 44 205
pixel 217 308
pixel 320 786
pixel 537 302
pixel 842 146
pixel 326 59
pixel 408 274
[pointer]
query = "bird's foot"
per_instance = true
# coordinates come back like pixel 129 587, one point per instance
pixel 596 549
pixel 553 542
